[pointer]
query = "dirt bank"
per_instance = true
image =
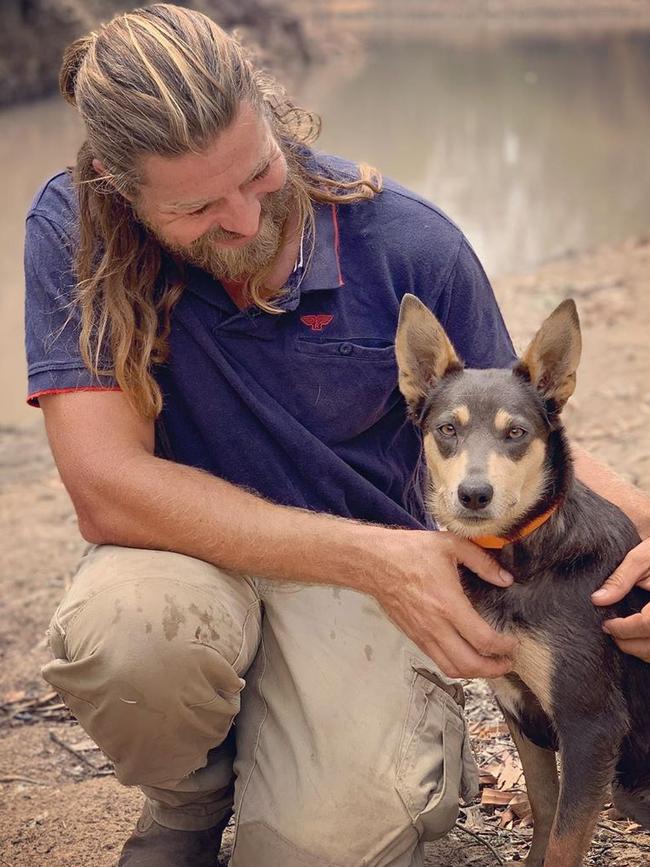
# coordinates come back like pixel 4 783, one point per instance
pixel 59 805
pixel 461 20
pixel 35 32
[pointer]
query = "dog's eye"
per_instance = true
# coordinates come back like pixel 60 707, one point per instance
pixel 516 433
pixel 447 430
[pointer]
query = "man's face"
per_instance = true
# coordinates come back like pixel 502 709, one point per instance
pixel 222 209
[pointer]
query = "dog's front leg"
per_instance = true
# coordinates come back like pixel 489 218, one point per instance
pixel 588 749
pixel 542 785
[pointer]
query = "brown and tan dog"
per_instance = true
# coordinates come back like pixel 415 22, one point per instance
pixel 501 474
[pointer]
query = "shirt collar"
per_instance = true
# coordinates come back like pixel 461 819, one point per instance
pixel 321 266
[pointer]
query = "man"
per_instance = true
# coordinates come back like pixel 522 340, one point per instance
pixel 210 315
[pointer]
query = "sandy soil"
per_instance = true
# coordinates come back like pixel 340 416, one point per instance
pixel 62 808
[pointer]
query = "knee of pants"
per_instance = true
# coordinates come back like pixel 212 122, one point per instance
pixel 351 787
pixel 148 677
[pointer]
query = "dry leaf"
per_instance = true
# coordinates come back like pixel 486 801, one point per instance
pixel 487 732
pixel 520 805
pixel 496 798
pixel 511 774
pixel 485 778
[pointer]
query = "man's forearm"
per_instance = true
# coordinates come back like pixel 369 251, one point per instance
pixel 635 503
pixel 160 504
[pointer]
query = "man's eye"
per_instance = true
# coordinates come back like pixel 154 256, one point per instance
pixel 199 211
pixel 262 174
pixel 447 430
pixel 516 433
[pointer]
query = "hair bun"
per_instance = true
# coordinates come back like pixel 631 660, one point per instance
pixel 73 56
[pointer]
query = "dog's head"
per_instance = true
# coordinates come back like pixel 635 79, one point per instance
pixel 490 436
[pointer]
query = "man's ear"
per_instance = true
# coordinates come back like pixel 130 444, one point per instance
pixel 551 360
pixel 105 176
pixel 424 353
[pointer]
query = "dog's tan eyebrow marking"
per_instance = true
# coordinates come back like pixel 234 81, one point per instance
pixel 502 419
pixel 461 414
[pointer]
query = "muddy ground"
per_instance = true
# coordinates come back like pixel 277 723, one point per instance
pixel 59 805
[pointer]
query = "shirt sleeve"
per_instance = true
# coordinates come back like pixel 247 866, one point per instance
pixel 52 321
pixel 470 314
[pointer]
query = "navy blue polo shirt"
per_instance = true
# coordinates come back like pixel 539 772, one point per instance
pixel 301 407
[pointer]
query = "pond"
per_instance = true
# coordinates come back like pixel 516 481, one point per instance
pixel 534 148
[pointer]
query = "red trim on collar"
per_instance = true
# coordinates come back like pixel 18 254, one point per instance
pixel 337 244
pixel 32 399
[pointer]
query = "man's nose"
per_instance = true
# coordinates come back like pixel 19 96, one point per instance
pixel 475 495
pixel 241 216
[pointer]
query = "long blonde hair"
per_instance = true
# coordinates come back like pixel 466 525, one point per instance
pixel 163 80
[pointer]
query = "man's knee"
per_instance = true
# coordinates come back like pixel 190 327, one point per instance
pixel 149 664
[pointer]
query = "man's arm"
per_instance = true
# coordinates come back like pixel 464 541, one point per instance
pixel 612 487
pixel 124 495
pixel 632 634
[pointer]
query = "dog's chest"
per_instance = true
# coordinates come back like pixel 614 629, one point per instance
pixel 521 606
pixel 532 678
pixel 520 705
pixel 522 611
pixel 526 694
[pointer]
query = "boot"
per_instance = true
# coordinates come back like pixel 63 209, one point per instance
pixel 153 845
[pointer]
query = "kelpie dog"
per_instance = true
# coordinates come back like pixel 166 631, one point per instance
pixel 501 474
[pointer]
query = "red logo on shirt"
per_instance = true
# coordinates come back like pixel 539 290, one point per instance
pixel 317 321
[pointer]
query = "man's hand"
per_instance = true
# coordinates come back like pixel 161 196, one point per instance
pixel 632 634
pixel 426 601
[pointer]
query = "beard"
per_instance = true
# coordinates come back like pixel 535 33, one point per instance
pixel 237 263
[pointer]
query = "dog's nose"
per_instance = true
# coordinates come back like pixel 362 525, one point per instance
pixel 475 496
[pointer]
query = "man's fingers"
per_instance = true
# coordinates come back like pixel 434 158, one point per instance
pixel 466 661
pixel 446 666
pixel 637 647
pixel 632 634
pixel 479 561
pixel 634 569
pixel 478 634
pixel 632 627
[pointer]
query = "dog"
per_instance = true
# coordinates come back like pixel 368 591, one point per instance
pixel 501 474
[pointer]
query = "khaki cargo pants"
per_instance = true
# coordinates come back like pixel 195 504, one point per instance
pixel 347 746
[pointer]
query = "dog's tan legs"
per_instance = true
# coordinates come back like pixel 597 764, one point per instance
pixel 540 770
pixel 587 757
pixel 569 849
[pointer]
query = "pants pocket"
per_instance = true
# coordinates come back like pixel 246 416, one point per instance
pixel 435 765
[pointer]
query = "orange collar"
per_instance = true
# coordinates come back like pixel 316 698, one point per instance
pixel 502 541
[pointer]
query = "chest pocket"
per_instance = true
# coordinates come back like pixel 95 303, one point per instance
pixel 343 386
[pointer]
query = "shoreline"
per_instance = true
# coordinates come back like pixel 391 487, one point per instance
pixel 441 20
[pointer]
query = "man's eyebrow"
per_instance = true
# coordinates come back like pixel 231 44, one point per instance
pixel 198 203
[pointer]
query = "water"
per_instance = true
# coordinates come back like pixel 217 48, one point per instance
pixel 36 140
pixel 533 148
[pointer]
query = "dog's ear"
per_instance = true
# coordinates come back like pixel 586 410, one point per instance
pixel 551 360
pixel 424 353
